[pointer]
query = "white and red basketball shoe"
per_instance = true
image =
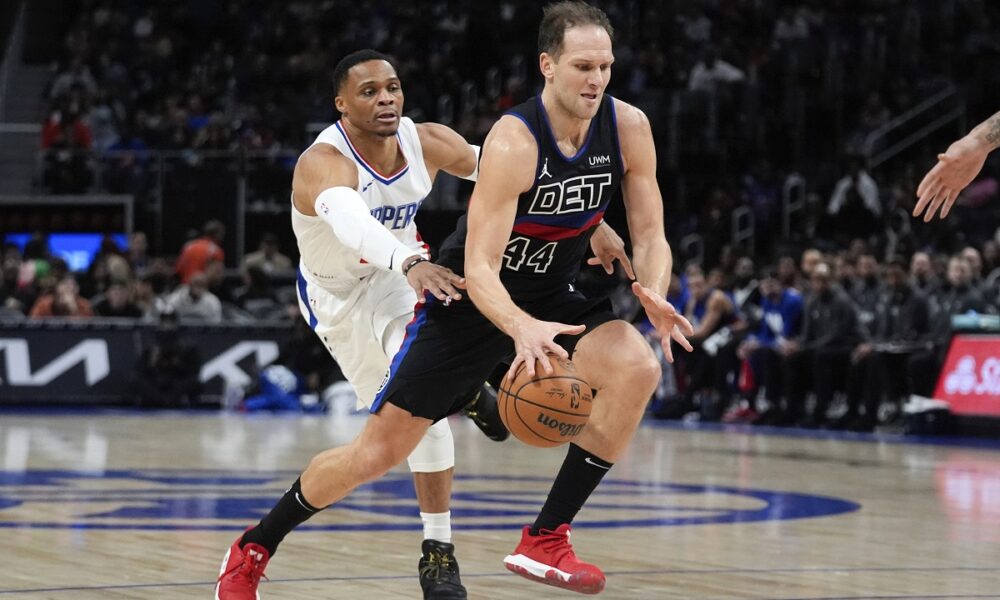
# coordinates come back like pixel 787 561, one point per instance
pixel 549 558
pixel 241 571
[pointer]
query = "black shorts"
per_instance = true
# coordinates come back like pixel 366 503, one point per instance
pixel 450 351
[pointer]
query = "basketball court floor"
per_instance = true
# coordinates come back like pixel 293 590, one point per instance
pixel 131 505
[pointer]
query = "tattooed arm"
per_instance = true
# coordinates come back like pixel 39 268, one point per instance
pixel 956 168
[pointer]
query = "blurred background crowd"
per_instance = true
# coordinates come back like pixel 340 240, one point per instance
pixel 791 136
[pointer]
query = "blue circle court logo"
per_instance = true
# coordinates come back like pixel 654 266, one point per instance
pixel 165 499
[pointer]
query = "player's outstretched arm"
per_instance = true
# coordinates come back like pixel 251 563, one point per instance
pixel 446 150
pixel 956 169
pixel 324 184
pixel 644 208
pixel 507 169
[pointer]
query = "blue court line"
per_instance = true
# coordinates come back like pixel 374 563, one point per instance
pixel 609 573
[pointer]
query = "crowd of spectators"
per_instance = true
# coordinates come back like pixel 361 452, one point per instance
pixel 128 283
pixel 744 97
pixel 741 95
pixel 776 345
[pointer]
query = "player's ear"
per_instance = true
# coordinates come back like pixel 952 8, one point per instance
pixel 547 64
pixel 339 104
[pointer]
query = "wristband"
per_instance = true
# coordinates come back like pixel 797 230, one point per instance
pixel 416 261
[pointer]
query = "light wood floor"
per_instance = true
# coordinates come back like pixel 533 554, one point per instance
pixel 144 506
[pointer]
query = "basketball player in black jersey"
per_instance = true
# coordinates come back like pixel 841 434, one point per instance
pixel 529 225
pixel 520 250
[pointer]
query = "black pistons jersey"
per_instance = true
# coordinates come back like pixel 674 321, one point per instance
pixel 556 217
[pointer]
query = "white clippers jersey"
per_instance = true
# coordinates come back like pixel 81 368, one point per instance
pixel 393 201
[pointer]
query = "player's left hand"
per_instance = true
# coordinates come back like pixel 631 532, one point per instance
pixel 955 170
pixel 440 281
pixel 669 323
pixel 608 246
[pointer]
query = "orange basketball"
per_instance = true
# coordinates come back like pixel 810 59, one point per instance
pixel 546 410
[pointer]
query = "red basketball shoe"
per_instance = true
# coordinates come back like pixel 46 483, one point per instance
pixel 241 571
pixel 548 558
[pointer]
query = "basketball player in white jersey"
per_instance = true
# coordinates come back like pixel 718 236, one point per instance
pixel 363 268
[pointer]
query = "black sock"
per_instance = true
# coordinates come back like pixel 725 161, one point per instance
pixel 580 473
pixel 290 512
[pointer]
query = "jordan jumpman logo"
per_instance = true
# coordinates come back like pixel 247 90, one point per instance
pixel 545 169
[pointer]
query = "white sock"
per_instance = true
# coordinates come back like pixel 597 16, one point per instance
pixel 437 526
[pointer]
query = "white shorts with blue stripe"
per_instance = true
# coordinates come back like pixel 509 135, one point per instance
pixel 353 325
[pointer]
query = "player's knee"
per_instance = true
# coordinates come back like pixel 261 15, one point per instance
pixel 650 368
pixel 640 366
pixel 435 452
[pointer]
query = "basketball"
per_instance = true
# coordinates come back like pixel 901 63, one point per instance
pixel 547 410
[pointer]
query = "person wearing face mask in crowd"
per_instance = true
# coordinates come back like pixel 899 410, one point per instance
pixel 880 366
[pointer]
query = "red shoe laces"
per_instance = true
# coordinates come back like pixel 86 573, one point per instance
pixel 254 568
pixel 556 545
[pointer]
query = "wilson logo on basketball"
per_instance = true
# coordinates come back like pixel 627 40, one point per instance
pixel 565 429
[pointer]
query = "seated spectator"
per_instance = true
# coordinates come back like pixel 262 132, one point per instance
pixel 66 170
pixel 257 298
pixel 975 260
pixel 137 253
pixel 745 286
pixel 818 358
pixel 845 272
pixel 867 290
pixel 64 301
pixel 10 268
pixel 194 301
pixel 711 312
pixel 268 257
pixel 810 258
pixel 881 364
pixel 780 322
pixel 116 303
pixel 143 295
pixel 788 273
pixel 959 295
pixel 166 374
pixel 955 297
pixel 922 274
pixel 198 253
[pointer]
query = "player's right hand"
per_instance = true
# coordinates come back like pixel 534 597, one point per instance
pixel 440 281
pixel 533 342
pixel 955 170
